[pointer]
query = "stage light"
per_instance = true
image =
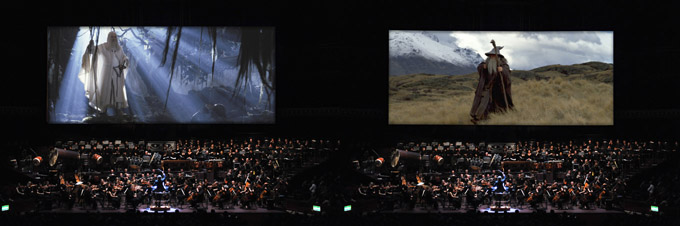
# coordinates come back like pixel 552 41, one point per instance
pixel 348 208
pixel 72 103
pixel 316 208
pixel 653 209
pixel 5 208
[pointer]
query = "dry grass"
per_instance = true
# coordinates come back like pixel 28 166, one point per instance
pixel 555 101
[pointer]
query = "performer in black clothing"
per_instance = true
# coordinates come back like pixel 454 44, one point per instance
pixel 159 183
pixel 499 185
pixel 159 189
pixel 499 189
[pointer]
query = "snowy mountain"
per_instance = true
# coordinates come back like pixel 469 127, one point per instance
pixel 429 52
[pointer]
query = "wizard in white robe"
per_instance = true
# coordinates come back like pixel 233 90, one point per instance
pixel 104 75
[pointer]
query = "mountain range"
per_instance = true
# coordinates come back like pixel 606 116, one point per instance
pixel 429 52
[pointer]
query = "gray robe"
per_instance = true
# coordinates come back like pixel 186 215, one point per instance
pixel 489 92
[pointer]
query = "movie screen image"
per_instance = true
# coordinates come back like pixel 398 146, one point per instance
pixel 501 78
pixel 173 75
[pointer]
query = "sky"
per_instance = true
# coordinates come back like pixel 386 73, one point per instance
pixel 529 50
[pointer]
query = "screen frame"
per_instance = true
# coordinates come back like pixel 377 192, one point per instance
pixel 560 125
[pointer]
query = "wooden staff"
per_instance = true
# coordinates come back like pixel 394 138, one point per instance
pixel 499 74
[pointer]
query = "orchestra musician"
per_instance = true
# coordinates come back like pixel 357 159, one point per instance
pixel 195 196
pixel 597 169
pixel 112 196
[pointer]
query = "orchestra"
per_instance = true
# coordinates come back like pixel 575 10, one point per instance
pixel 254 173
pixel 248 174
pixel 560 175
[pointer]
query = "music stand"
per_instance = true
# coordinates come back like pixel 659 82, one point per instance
pixel 159 197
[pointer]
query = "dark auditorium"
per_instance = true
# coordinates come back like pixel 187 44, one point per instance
pixel 464 112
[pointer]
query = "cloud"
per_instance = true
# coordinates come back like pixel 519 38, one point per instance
pixel 528 50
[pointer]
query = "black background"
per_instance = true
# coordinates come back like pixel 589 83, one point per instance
pixel 332 64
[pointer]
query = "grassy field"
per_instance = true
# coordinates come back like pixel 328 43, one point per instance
pixel 552 95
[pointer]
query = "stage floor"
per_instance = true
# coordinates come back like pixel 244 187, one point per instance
pixel 486 208
pixel 180 209
pixel 417 210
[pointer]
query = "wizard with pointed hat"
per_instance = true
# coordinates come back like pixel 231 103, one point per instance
pixel 493 93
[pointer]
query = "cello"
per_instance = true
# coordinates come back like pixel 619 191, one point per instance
pixel 531 197
pixel 262 195
pixel 234 194
pixel 600 196
pixel 194 195
pixel 557 197
pixel 219 195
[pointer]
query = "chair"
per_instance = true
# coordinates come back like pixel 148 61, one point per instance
pixel 486 161
pixel 86 159
pixel 146 160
